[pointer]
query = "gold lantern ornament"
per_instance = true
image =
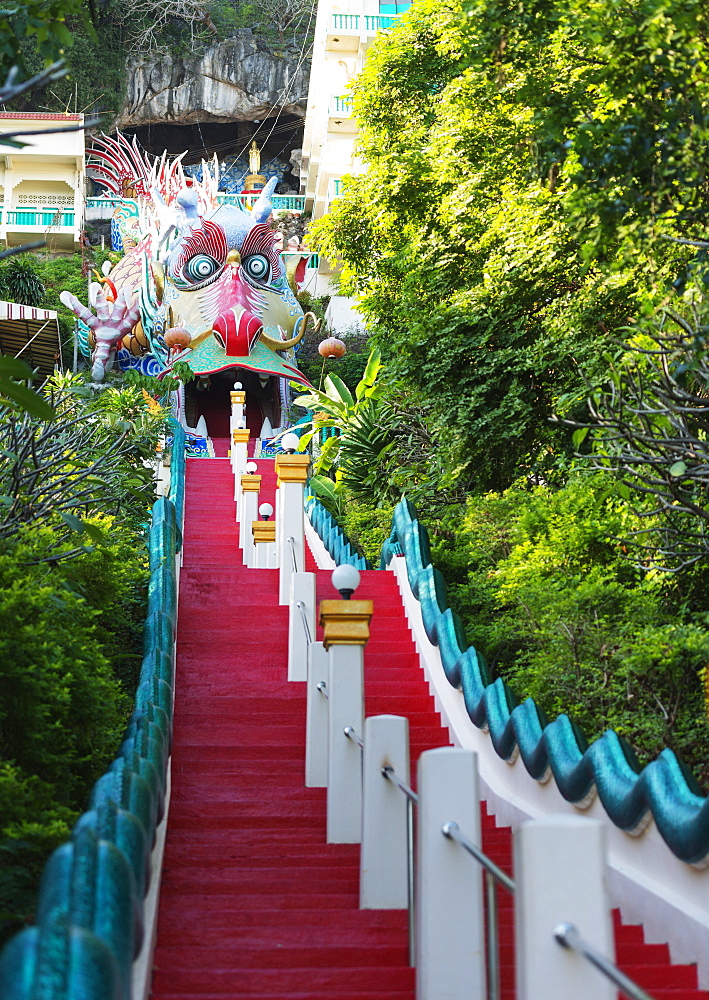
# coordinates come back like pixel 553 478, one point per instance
pixel 332 348
pixel 177 338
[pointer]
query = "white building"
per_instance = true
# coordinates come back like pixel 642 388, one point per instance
pixel 343 34
pixel 42 183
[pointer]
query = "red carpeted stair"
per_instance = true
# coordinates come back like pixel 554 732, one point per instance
pixel 254 903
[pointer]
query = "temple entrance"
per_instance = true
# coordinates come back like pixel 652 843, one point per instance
pixel 208 396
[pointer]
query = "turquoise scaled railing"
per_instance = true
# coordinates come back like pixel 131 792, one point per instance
pixel 628 792
pixel 90 926
pixel 332 536
pixel 177 481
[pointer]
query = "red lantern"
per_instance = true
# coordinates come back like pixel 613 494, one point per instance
pixel 332 348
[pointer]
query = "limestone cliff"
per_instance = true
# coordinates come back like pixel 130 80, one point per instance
pixel 235 80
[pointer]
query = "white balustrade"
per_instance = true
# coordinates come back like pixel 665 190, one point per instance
pixel 385 834
pixel 346 632
pixel 345 687
pixel 450 936
pixel 561 878
pixel 250 485
pixel 239 456
pixel 559 861
pixel 292 473
pixel 301 612
pixel 316 721
pixel 263 535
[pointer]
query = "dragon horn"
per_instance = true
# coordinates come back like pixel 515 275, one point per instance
pixel 262 208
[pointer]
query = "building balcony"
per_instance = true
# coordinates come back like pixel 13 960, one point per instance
pixel 347 32
pixel 334 190
pixel 340 118
pixel 41 218
pixel 59 226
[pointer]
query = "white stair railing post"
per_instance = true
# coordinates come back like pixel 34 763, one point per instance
pixel 316 717
pixel 383 881
pixel 292 473
pixel 250 470
pixel 559 865
pixel 279 525
pixel 236 415
pixel 346 632
pixel 450 934
pixel 301 605
pixel 250 486
pixel 263 535
pixel 239 455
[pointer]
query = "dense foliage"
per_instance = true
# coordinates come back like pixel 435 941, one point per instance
pixel 503 232
pixel 531 232
pixel 72 598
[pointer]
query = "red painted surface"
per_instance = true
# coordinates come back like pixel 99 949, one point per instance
pixel 254 903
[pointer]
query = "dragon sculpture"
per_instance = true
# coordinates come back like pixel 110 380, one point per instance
pixel 199 281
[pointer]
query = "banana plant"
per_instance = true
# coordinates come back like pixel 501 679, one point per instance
pixel 335 406
pixel 347 461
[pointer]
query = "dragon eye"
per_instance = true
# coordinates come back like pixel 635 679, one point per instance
pixel 200 267
pixel 257 267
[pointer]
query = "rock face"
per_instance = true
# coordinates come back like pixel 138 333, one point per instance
pixel 235 80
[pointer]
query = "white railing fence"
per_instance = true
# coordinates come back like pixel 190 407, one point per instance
pixel 422 849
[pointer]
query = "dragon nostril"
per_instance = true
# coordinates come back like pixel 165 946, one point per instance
pixel 235 331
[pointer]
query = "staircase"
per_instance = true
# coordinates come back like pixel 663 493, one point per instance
pixel 254 903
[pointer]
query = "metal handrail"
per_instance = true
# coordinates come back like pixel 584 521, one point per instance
pixel 351 734
pixel 492 873
pixel 304 618
pixel 321 686
pixel 412 798
pixel 291 543
pixel 453 832
pixel 568 936
pixel 390 774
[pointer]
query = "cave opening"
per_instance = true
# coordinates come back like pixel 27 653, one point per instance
pixel 276 137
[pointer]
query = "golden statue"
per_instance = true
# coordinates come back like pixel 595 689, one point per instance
pixel 254 179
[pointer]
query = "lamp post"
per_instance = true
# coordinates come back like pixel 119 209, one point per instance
pixel 250 486
pixel 238 406
pixel 264 536
pixel 292 473
pixel 289 445
pixel 239 454
pixel 346 632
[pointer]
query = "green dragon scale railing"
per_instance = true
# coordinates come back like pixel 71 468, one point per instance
pixel 664 788
pixel 89 926
pixel 332 536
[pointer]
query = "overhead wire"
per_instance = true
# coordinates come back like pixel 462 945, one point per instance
pixel 281 130
pixel 295 72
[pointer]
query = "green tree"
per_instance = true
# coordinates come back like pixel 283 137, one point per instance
pixel 502 232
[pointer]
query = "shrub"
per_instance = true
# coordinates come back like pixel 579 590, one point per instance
pixel 69 651
pixel 546 592
pixel 368 527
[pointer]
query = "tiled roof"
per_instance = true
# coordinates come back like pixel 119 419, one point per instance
pixel 40 116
